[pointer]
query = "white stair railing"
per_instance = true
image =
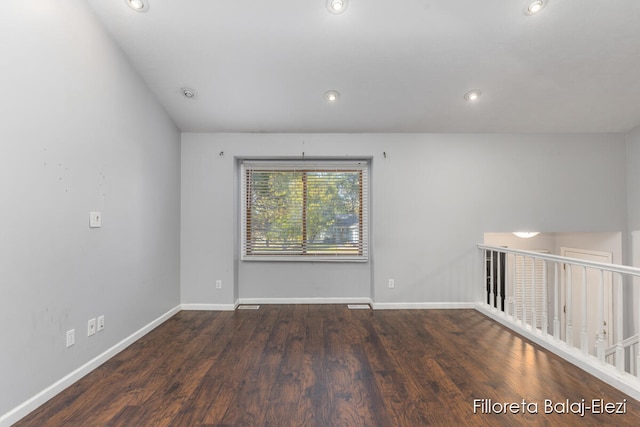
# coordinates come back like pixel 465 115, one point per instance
pixel 631 343
pixel 543 292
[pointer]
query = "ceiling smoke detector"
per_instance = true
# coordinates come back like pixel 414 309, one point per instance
pixel 138 5
pixel 337 6
pixel 188 93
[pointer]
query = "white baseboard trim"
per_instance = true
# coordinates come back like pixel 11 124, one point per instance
pixel 209 307
pixel 266 301
pixel 34 402
pixel 421 305
pixel 609 374
pixel 358 300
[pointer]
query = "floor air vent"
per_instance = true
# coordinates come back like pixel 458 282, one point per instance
pixel 248 307
pixel 358 306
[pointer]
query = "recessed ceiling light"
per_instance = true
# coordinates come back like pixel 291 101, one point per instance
pixel 472 95
pixel 337 6
pixel 138 5
pixel 535 7
pixel 188 93
pixel 332 95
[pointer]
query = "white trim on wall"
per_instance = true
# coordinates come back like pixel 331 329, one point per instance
pixel 266 301
pixel 209 307
pixel 34 402
pixel 354 300
pixel 421 305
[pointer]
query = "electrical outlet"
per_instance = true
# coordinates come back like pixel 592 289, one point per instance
pixel 392 283
pixel 218 284
pixel 71 337
pixel 95 219
pixel 100 323
pixel 91 327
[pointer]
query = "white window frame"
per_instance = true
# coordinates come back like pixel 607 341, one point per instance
pixel 306 165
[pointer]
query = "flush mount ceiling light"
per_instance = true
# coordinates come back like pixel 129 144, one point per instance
pixel 138 5
pixel 526 234
pixel 337 6
pixel 188 93
pixel 535 7
pixel 472 95
pixel 332 96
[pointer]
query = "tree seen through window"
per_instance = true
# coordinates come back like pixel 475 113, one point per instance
pixel 303 212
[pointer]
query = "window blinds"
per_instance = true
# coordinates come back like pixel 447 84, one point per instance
pixel 305 210
pixel 530 271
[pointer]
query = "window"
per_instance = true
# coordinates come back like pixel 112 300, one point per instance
pixel 304 210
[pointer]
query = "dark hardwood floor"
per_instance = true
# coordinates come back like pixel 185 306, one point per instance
pixel 325 365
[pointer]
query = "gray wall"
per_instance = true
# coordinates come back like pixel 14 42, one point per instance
pixel 79 132
pixel 633 185
pixel 633 200
pixel 432 198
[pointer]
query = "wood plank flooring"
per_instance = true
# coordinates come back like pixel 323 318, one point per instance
pixel 325 365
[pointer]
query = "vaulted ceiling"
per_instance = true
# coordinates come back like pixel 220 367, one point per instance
pixel 398 66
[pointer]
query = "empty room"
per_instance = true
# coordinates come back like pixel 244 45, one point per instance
pixel 319 213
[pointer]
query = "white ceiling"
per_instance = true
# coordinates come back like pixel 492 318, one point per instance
pixel 399 65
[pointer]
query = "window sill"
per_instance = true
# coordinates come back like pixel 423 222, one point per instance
pixel 304 258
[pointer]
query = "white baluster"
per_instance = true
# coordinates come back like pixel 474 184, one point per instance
pixel 544 299
pixel 584 336
pixel 534 305
pixel 556 298
pixel 514 310
pixel 491 291
pixel 600 335
pixel 617 309
pixel 499 306
pixel 523 303
pixel 484 266
pixel 569 329
pixel 634 308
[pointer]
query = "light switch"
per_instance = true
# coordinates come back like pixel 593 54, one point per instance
pixel 95 219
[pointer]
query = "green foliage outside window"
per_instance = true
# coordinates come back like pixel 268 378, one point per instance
pixel 304 212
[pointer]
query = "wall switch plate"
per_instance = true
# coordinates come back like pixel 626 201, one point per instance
pixel 95 219
pixel 71 337
pixel 392 283
pixel 218 284
pixel 100 323
pixel 91 327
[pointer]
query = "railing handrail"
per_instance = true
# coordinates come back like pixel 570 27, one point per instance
pixel 616 268
pixel 628 342
pixel 511 299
